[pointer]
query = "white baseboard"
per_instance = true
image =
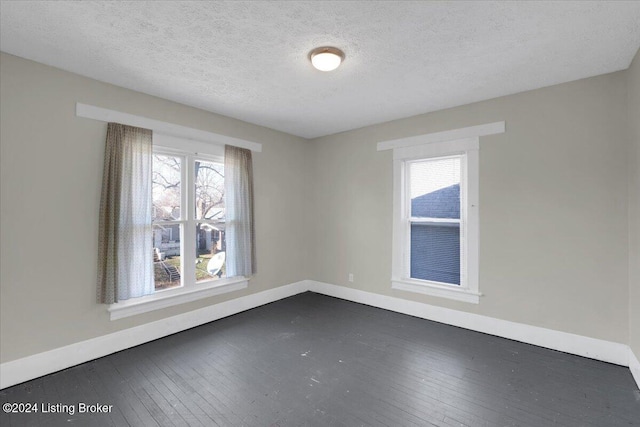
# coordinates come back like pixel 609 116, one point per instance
pixel 37 365
pixel 593 348
pixel 30 367
pixel 634 365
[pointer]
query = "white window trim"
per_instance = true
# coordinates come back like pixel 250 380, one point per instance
pixel 176 139
pixel 170 297
pixel 468 290
pixel 197 136
pixel 447 135
pixel 188 151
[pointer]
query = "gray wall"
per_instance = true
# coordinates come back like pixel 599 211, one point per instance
pixel 556 213
pixel 634 205
pixel 51 166
pixel 553 207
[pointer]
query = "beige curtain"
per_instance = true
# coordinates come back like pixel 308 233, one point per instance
pixel 125 251
pixel 239 227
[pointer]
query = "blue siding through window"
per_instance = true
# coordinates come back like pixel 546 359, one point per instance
pixel 435 248
pixel 442 203
pixel 435 253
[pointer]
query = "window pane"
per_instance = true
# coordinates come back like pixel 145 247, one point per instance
pixel 209 184
pixel 210 251
pixel 435 252
pixel 166 187
pixel 166 255
pixel 434 187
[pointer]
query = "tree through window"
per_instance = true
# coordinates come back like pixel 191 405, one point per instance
pixel 172 177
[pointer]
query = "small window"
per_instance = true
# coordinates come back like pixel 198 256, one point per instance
pixel 436 219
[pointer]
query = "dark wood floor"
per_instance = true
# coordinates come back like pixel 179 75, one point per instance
pixel 315 360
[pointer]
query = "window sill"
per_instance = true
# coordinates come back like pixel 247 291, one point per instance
pixel 171 297
pixel 437 290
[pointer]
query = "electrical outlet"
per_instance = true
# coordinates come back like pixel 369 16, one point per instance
pixel 351 277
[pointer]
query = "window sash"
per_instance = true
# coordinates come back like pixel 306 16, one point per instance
pixel 427 220
pixel 409 220
pixel 172 222
pixel 436 269
pixel 187 219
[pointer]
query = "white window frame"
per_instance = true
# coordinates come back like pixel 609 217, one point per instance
pixel 468 151
pixel 189 290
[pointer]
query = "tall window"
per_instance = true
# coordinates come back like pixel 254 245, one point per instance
pixel 436 220
pixel 167 220
pixel 188 218
pixel 433 218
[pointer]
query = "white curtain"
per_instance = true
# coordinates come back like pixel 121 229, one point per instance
pixel 239 228
pixel 125 258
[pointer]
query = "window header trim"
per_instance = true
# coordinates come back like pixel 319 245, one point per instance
pixel 166 128
pixel 442 149
pixel 447 135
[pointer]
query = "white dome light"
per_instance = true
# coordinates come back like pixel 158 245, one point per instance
pixel 326 58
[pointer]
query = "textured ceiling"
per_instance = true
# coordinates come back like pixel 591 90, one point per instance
pixel 248 60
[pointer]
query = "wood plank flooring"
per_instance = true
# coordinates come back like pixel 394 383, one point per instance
pixel 313 360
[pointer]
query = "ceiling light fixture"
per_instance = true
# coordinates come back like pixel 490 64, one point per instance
pixel 326 58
